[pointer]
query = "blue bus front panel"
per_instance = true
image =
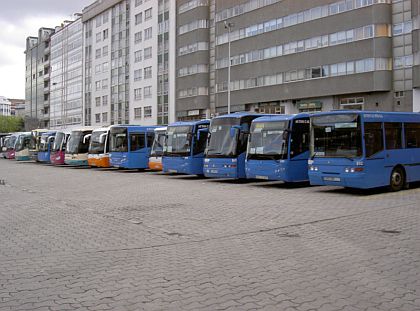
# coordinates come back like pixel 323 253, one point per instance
pixel 130 160
pixel 183 165
pixel 44 156
pixel 279 170
pixel 225 167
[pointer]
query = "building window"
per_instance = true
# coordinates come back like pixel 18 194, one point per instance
pixel 98 20
pixel 98 101
pixel 104 83
pixel 98 118
pixel 148 33
pixel 98 68
pixel 148 111
pixel 137 113
pixel 147 92
pixel 137 56
pixel 138 18
pixel 148 14
pixel 104 100
pixel 105 117
pixel 138 2
pixel 97 85
pixel 147 73
pixel 138 37
pixel 105 18
pixel 137 94
pixel 137 74
pixel 98 37
pixel 105 34
pixel 105 50
pixel 98 53
pixel 147 53
pixel 354 103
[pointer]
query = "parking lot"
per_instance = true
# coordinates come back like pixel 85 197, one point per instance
pixel 97 239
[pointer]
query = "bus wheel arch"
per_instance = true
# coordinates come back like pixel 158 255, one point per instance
pixel 398 178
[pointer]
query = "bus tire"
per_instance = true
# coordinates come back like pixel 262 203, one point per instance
pixel 397 179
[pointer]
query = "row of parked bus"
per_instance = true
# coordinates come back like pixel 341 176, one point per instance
pixel 357 149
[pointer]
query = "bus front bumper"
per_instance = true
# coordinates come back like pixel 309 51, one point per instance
pixel 350 180
pixel 221 168
pixel 266 170
pixel 76 162
pixel 99 160
pixel 182 165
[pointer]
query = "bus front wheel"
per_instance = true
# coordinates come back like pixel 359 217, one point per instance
pixel 397 179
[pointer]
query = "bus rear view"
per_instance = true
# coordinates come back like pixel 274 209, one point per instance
pixel 278 148
pixel 227 144
pixel 130 146
pixel 365 149
pixel 185 145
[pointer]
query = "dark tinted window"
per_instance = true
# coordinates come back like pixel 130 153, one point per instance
pixel 150 139
pixel 393 135
pixel 412 135
pixel 300 137
pixel 373 138
pixel 200 144
pixel 137 141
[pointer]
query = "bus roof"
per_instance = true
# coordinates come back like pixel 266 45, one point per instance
pixel 39 130
pixel 281 117
pixel 101 129
pixel 380 116
pixel 79 129
pixel 49 133
pixel 239 115
pixel 190 123
pixel 161 129
pixel 132 128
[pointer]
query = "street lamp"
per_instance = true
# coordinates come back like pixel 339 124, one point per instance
pixel 229 27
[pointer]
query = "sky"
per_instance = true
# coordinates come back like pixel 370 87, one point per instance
pixel 20 19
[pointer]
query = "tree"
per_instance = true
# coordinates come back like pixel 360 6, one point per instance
pixel 10 124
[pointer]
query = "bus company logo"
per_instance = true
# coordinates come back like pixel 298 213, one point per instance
pixel 374 115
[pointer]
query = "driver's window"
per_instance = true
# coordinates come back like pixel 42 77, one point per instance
pixel 300 137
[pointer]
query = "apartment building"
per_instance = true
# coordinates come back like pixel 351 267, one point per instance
pixel 37 77
pixel 66 76
pixel 290 56
pixel 5 106
pixel 128 69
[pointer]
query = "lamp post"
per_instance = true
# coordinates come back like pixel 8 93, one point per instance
pixel 229 27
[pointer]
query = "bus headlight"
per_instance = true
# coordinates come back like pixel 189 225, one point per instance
pixel 206 160
pixel 353 169
pixel 229 165
pixel 314 168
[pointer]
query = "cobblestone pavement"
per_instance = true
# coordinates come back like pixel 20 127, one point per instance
pixel 92 239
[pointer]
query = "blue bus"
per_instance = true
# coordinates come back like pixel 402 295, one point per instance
pixel 365 149
pixel 227 144
pixel 185 145
pixel 130 146
pixel 278 148
pixel 45 145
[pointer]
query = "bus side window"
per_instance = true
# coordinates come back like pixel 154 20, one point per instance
pixel 373 138
pixel 300 138
pixel 393 135
pixel 412 135
pixel 137 141
pixel 150 139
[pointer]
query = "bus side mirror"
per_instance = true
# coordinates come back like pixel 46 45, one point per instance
pixel 233 130
pixel 286 134
pixel 86 138
pixel 102 138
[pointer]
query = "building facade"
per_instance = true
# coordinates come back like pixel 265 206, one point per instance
pixel 291 56
pixel 66 87
pixel 128 69
pixel 37 77
pixel 5 106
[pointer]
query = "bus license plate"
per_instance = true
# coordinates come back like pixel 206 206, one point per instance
pixel 335 179
pixel 214 171
pixel 261 177
pixel 172 171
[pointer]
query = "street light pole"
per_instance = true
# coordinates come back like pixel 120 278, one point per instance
pixel 228 26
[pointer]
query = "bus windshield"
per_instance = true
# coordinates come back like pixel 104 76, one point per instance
pixel 11 142
pixel 267 141
pixel 75 144
pixel 24 142
pixel 337 135
pixel 158 143
pixel 178 142
pixel 221 142
pixel 43 144
pixel 119 141
pixel 96 147
pixel 59 138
